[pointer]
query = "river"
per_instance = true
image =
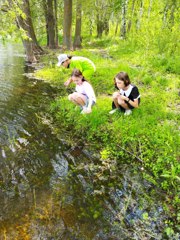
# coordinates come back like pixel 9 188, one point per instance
pixel 38 199
pixel 31 158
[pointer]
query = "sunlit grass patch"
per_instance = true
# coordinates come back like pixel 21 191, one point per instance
pixel 150 133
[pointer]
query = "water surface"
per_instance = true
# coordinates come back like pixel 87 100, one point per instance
pixel 31 157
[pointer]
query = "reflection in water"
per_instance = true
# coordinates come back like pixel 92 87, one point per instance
pixel 30 156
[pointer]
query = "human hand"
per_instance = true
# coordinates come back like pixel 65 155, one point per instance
pixel 123 97
pixel 67 82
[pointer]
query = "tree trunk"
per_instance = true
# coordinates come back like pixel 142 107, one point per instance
pixel 116 28
pixel 102 17
pixel 90 27
pixel 30 42
pixel 28 46
pixel 123 25
pixel 28 26
pixel 140 15
pixel 165 15
pixel 169 10
pixel 132 15
pixel 173 8
pixel 46 20
pixel 51 24
pixel 56 23
pixel 67 26
pixel 106 26
pixel 77 38
pixel 100 26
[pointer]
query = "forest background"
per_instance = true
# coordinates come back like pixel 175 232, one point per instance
pixel 140 37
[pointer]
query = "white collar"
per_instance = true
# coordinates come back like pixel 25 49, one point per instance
pixel 127 92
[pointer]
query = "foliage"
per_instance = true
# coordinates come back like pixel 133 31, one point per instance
pixel 148 24
pixel 150 54
pixel 149 137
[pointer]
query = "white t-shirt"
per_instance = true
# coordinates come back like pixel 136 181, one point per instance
pixel 86 89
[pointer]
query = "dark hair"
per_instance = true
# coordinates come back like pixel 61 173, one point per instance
pixel 78 73
pixel 69 56
pixel 123 76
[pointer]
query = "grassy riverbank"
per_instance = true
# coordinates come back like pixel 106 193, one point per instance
pixel 149 137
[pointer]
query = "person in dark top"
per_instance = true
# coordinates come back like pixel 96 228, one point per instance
pixel 127 97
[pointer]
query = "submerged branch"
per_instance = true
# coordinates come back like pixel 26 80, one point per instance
pixel 139 159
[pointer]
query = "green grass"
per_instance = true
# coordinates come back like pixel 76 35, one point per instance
pixel 151 133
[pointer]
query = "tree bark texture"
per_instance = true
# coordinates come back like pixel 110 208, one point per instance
pixel 67 25
pixel 56 23
pixel 77 37
pixel 123 24
pixel 140 15
pixel 102 17
pixel 132 15
pixel 51 24
pixel 116 28
pixel 30 41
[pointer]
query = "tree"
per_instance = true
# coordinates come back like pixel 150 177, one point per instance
pixel 22 13
pixel 132 15
pixel 49 11
pixel 56 23
pixel 67 24
pixel 123 24
pixel 89 14
pixel 102 17
pixel 77 37
pixel 140 15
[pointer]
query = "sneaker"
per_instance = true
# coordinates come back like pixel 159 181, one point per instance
pixel 113 111
pixel 127 112
pixel 83 110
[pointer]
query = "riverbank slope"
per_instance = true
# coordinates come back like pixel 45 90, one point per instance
pixel 149 138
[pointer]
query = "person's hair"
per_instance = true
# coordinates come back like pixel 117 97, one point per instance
pixel 78 73
pixel 69 56
pixel 123 76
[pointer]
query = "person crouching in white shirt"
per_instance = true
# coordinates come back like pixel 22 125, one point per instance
pixel 84 95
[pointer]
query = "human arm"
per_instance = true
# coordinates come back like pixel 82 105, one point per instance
pixel 133 98
pixel 68 82
pixel 134 103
